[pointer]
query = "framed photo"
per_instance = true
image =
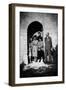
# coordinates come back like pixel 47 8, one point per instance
pixel 36 44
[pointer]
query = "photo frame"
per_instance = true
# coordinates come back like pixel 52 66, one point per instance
pixel 36 44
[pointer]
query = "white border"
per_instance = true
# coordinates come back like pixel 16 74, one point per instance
pixel 41 79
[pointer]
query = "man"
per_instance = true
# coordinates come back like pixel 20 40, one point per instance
pixel 48 47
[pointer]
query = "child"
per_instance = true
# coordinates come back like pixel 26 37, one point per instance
pixel 34 48
pixel 40 50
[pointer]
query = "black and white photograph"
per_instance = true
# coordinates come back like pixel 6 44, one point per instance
pixel 38 44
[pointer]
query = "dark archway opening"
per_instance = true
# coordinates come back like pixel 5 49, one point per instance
pixel 33 27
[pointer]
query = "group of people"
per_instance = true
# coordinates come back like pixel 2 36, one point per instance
pixel 36 48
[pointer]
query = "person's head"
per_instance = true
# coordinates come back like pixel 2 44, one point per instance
pixel 47 34
pixel 39 33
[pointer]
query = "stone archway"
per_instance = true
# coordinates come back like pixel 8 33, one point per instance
pixel 33 27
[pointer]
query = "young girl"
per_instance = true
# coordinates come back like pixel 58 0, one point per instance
pixel 34 48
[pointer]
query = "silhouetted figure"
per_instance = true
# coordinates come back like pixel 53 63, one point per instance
pixel 48 46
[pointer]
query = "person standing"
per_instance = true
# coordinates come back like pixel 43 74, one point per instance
pixel 40 50
pixel 48 47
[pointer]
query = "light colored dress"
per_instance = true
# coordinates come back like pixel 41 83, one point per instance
pixel 34 48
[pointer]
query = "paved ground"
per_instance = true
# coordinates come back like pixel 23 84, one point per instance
pixel 37 69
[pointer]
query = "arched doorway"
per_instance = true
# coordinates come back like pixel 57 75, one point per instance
pixel 34 28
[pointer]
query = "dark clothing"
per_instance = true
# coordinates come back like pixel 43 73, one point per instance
pixel 40 37
pixel 40 54
pixel 48 43
pixel 48 46
pixel 40 50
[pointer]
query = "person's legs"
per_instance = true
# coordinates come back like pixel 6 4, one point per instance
pixel 49 54
pixel 42 55
pixel 46 53
pixel 35 59
pixel 38 58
